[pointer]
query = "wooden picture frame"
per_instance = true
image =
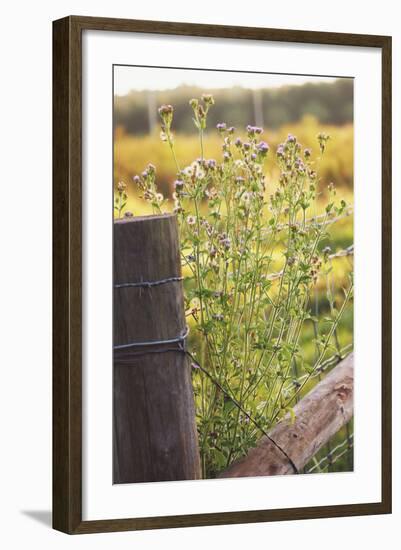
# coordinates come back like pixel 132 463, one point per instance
pixel 67 273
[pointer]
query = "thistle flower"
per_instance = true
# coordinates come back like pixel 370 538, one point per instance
pixel 238 143
pixel 136 180
pixel 128 214
pixel 221 126
pixel 166 110
pixel 178 184
pixel 322 138
pixel 291 138
pixel 208 99
pixel 262 148
pixel 191 220
pixel 166 114
pixel 121 186
pixel 307 153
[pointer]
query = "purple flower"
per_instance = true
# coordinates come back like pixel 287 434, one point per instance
pixel 238 142
pixel 178 184
pixel 136 180
pixel 145 174
pixel 231 130
pixel 247 146
pixel 291 138
pixel 253 156
pixel 226 156
pixel 166 110
pixel 221 126
pixel 307 153
pixel 262 147
pixel 280 151
pixel 211 164
pixel 252 130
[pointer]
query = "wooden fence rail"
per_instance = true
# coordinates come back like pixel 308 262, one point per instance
pixel 318 417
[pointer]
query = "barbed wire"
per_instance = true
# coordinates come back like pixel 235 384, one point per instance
pixel 331 458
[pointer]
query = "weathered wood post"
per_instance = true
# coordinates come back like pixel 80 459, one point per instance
pixel 154 430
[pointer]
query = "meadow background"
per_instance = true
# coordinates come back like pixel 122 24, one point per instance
pixel 303 110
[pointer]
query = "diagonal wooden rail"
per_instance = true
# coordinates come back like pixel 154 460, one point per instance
pixel 318 417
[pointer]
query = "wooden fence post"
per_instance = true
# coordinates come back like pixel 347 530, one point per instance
pixel 154 430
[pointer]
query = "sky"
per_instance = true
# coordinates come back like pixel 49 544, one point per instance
pixel 127 78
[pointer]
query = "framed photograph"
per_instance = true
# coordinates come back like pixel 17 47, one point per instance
pixel 222 275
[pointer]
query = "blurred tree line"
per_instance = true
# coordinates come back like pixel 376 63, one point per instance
pixel 330 103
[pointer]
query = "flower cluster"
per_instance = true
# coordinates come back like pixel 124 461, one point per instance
pixel 146 182
pixel 235 231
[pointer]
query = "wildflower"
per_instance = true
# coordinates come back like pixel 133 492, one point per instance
pixel 211 164
pixel 246 197
pixel 211 193
pixel 145 174
pixel 128 214
pixel 151 169
pixel 191 220
pixel 221 126
pixel 231 130
pixel 226 243
pixel 178 184
pixel 194 103
pixel 226 156
pixel 307 153
pixel 159 198
pixel 121 186
pixel 166 114
pixel 208 99
pixel 195 366
pixel 166 110
pixel 262 148
pixel 238 143
pixel 291 138
pixel 247 146
pixel 331 186
pixel 322 139
pixel 136 180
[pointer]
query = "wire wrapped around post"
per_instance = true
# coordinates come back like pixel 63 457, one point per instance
pixel 154 430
